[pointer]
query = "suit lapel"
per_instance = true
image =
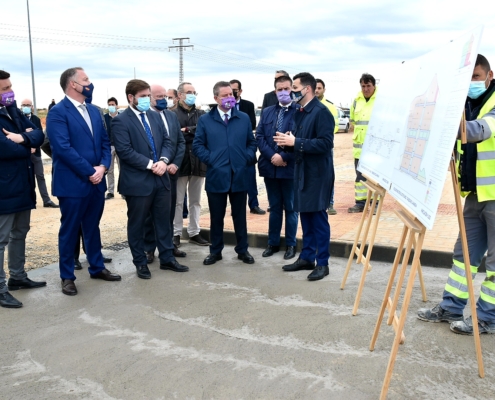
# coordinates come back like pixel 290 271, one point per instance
pixel 138 125
pixel 94 115
pixel 155 131
pixel 76 115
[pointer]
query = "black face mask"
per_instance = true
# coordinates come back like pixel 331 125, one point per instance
pixel 235 93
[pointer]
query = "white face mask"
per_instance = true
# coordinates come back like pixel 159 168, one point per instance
pixel 170 103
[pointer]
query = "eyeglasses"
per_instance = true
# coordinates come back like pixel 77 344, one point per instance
pixel 26 105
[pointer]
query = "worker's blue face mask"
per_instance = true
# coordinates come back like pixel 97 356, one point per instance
pixel 476 89
pixel 190 99
pixel 112 109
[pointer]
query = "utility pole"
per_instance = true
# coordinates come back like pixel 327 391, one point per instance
pixel 31 53
pixel 181 48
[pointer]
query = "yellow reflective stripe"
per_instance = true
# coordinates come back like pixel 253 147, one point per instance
pixel 362 122
pixel 457 282
pixel 486 155
pixel 357 146
pixel 487 292
pixel 456 292
pixel 489 274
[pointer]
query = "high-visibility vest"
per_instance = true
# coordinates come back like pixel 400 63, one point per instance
pixel 333 111
pixel 485 162
pixel 360 117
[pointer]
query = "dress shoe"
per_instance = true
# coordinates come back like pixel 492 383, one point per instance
pixel 106 275
pixel 290 252
pixel 77 265
pixel 318 273
pixel 109 196
pixel 246 257
pixel 257 210
pixel 51 204
pixel 143 272
pixel 197 239
pixel 177 240
pixel 107 260
pixel 9 301
pixel 174 266
pixel 270 251
pixel 299 265
pixel 69 287
pixel 212 259
pixel 150 256
pixel 179 253
pixel 26 283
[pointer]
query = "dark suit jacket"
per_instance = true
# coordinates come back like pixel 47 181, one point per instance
pixel 135 152
pixel 75 151
pixel 37 123
pixel 176 138
pixel 247 107
pixel 270 99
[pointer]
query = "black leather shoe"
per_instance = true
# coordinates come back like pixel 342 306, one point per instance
pixel 69 287
pixel 174 266
pixel 9 301
pixel 176 240
pixel 109 196
pixel 179 253
pixel 150 256
pixel 290 252
pixel 106 275
pixel 51 204
pixel 318 273
pixel 246 257
pixel 257 210
pixel 26 283
pixel 143 272
pixel 212 259
pixel 299 265
pixel 107 260
pixel 200 241
pixel 77 265
pixel 270 251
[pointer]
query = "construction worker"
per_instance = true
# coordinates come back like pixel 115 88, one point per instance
pixel 360 116
pixel 476 172
pixel 320 93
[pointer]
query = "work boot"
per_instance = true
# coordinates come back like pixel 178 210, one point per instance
pixel 355 209
pixel 466 327
pixel 438 314
pixel 332 211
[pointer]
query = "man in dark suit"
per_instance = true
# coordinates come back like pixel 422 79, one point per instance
pixel 172 126
pixel 17 197
pixel 81 156
pixel 270 98
pixel 112 104
pixel 27 110
pixel 312 144
pixel 247 107
pixel 145 150
pixel 224 142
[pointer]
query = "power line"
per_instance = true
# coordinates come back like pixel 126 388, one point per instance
pixel 181 48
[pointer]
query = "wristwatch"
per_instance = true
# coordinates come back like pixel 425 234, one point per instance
pixel 164 159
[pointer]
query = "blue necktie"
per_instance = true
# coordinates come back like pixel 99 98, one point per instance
pixel 150 136
pixel 280 119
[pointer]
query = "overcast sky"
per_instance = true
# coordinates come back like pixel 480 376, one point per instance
pixel 248 40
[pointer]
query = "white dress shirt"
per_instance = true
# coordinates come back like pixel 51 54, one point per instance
pixel 222 113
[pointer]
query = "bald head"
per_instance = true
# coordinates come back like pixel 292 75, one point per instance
pixel 157 93
pixel 26 103
pixel 27 106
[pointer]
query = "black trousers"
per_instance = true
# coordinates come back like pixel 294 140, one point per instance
pixel 149 229
pixel 217 203
pixel 138 208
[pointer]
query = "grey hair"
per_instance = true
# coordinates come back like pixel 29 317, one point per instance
pixel 281 71
pixel 67 76
pixel 218 85
pixel 181 86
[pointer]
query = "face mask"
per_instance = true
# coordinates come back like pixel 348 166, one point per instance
pixel 190 99
pixel 297 96
pixel 87 91
pixel 235 93
pixel 161 104
pixel 228 102
pixel 7 99
pixel 26 110
pixel 170 103
pixel 112 109
pixel 143 104
pixel 284 97
pixel 476 89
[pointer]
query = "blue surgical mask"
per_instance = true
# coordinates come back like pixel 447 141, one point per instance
pixel 26 110
pixel 161 104
pixel 112 109
pixel 476 89
pixel 190 99
pixel 143 104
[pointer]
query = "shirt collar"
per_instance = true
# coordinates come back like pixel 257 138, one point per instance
pixel 137 112
pixel 222 113
pixel 75 102
pixel 286 106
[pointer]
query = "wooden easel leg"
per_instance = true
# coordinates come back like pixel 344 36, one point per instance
pixel 355 245
pixel 402 318
pixel 389 287
pixel 367 228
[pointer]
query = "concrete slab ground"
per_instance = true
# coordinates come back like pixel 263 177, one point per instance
pixel 229 331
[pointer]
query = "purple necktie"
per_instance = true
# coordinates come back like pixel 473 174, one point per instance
pixel 226 119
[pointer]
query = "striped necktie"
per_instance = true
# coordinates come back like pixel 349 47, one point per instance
pixel 280 119
pixel 150 136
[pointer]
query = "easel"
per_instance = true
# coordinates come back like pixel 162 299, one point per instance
pixel 375 191
pixel 413 227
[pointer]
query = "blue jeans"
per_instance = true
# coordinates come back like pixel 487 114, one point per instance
pixel 281 197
